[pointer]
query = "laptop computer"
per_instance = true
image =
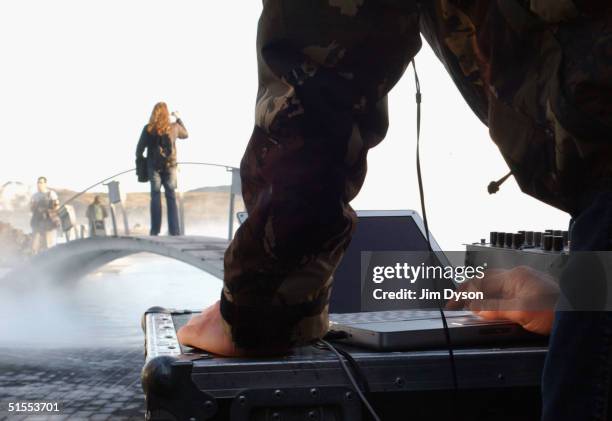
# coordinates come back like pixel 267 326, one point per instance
pixel 401 325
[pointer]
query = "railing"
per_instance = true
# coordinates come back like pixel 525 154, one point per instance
pixel 68 217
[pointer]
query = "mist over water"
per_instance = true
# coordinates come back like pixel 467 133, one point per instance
pixel 79 342
pixel 102 309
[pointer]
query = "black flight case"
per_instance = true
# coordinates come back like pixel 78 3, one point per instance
pixel 493 383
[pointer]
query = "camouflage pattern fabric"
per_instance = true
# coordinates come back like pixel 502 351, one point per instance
pixel 537 72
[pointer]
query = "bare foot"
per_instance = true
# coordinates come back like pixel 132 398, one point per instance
pixel 207 332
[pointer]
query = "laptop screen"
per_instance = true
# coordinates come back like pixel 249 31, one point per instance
pixel 373 233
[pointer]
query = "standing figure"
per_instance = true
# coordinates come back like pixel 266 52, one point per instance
pixel 159 139
pixel 96 214
pixel 45 220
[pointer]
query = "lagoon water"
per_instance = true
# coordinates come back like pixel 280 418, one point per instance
pixel 80 343
pixel 104 308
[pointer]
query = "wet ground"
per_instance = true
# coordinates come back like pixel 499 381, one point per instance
pixel 81 344
pixel 87 384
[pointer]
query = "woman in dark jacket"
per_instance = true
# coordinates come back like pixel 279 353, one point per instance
pixel 159 139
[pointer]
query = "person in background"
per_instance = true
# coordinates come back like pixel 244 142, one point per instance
pixel 44 206
pixel 96 214
pixel 158 138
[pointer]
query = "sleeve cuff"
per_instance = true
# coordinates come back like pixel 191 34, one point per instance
pixel 272 325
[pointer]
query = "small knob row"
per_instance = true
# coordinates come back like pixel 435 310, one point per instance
pixel 548 240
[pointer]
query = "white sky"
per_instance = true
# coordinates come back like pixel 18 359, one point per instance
pixel 79 79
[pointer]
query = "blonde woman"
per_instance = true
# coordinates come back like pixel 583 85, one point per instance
pixel 158 138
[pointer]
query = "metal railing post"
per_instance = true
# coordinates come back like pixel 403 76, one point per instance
pixel 114 198
pixel 114 219
pixel 181 206
pixel 126 224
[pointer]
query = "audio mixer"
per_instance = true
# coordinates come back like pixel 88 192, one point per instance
pixel 505 250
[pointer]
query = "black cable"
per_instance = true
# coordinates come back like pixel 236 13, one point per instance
pixel 341 354
pixel 361 378
pixel 349 374
pixel 451 354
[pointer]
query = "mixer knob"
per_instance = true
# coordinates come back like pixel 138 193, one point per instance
pixel 493 238
pixel 508 240
pixel 547 242
pixel 518 240
pixel 537 239
pixel 501 239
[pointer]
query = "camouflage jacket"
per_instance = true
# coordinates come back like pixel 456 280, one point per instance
pixel 538 73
